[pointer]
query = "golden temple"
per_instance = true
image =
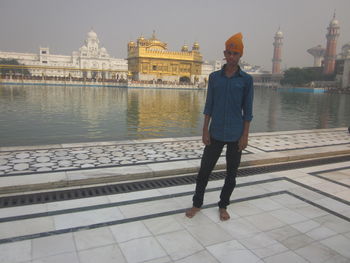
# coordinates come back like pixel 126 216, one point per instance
pixel 150 60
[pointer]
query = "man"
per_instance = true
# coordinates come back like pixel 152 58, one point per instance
pixel 228 110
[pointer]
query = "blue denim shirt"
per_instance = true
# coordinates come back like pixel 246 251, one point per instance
pixel 229 103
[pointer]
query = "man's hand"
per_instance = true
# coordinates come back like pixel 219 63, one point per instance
pixel 206 137
pixel 242 143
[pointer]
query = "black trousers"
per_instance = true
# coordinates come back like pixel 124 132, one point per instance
pixel 210 156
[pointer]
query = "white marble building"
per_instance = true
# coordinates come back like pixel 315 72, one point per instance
pixel 209 67
pixel 343 72
pixel 90 61
pixel 345 81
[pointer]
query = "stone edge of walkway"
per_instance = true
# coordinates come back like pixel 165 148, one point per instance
pixel 140 141
pixel 138 172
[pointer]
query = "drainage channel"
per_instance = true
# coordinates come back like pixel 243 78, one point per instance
pixel 53 196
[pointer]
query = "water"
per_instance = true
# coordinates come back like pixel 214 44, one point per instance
pixel 50 115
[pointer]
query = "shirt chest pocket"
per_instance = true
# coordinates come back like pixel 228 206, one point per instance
pixel 236 91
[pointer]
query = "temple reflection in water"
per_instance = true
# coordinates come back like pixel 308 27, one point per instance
pixel 159 112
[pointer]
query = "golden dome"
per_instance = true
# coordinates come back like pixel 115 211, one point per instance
pixel 195 46
pixel 184 48
pixel 155 41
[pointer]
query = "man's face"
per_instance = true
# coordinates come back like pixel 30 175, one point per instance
pixel 232 57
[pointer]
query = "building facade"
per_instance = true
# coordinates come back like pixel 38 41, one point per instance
pixel 345 81
pixel 211 66
pixel 150 60
pixel 90 61
pixel 207 68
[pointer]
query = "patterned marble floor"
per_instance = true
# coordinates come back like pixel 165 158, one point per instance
pixel 70 158
pixel 300 215
pixel 299 140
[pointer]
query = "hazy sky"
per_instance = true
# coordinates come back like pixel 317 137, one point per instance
pixel 62 25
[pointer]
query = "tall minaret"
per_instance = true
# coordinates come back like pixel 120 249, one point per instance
pixel 277 52
pixel 331 49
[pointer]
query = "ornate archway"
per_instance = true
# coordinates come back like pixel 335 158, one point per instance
pixel 185 80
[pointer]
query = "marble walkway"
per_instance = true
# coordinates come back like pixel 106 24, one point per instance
pixel 295 215
pixel 45 166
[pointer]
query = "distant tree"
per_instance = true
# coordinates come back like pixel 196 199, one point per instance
pixel 16 70
pixel 303 76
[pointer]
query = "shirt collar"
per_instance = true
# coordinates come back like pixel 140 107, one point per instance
pixel 238 72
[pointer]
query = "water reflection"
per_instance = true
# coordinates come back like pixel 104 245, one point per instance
pixel 160 113
pixel 46 115
pixel 274 110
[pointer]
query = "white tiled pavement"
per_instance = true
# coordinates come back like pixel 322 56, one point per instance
pixel 300 215
pixel 265 229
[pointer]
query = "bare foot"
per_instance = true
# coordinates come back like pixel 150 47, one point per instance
pixel 223 214
pixel 192 212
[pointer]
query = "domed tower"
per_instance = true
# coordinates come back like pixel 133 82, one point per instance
pixel 331 49
pixel 141 41
pixel 195 46
pixel 83 49
pixel 103 52
pixel 92 43
pixel 184 48
pixel 131 45
pixel 277 52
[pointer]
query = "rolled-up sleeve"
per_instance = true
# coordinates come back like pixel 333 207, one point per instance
pixel 248 100
pixel 208 108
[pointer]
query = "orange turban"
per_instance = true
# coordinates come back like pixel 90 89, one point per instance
pixel 235 43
